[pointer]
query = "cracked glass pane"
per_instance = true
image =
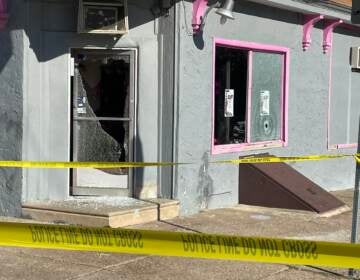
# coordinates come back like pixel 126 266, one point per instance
pixel 266 96
pixel 104 86
pixel 102 92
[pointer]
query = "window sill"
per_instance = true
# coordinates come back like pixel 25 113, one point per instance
pixel 342 146
pixel 236 148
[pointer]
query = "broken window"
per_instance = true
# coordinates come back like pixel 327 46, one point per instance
pixel 230 95
pixel 249 96
pixel 266 96
pixel 101 109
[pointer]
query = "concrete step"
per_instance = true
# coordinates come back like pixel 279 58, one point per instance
pixel 101 211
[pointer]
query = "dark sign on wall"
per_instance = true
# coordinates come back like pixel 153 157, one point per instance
pixel 355 15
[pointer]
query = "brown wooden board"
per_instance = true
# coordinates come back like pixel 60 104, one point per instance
pixel 278 185
pixel 342 2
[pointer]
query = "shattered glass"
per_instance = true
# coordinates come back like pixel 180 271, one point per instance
pixel 266 96
pixel 106 95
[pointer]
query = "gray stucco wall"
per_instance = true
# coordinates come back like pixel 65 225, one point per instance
pixel 51 32
pixel 11 94
pixel 217 185
pixel 166 100
pixel 345 97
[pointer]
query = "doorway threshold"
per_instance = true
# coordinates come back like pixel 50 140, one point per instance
pixel 112 212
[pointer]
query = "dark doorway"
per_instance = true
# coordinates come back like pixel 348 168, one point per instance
pixel 231 70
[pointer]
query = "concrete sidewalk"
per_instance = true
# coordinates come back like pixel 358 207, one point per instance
pixel 21 263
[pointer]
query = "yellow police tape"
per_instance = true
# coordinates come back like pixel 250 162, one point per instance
pixel 357 158
pixel 109 165
pixel 209 246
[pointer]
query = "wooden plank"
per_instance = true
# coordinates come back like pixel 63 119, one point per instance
pixel 347 3
pixel 278 185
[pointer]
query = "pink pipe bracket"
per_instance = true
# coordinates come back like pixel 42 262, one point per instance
pixel 199 8
pixel 329 27
pixel 309 22
pixel 4 17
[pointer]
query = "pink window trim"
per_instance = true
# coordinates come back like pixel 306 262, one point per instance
pixel 248 95
pixel 232 148
pixel 342 146
pixel 4 17
pixel 3 6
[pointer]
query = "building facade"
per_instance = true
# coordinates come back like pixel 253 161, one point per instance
pixel 171 81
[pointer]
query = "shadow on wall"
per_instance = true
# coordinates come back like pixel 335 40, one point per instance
pixel 10 115
pixel 51 13
pixel 60 17
pixel 138 172
pixel 6 48
pixel 355 236
pixel 57 20
pixel 205 187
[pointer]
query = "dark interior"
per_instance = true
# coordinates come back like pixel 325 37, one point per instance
pixel 106 84
pixel 231 67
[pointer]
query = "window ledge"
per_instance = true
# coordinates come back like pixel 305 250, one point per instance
pixel 236 148
pixel 342 146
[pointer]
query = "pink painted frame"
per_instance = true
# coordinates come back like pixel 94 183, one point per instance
pixel 343 146
pixel 4 17
pixel 248 97
pixel 199 8
pixel 250 46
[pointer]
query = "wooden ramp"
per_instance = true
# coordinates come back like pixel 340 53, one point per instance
pixel 278 185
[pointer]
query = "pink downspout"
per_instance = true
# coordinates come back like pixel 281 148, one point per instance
pixel 199 8
pixel 328 33
pixel 309 22
pixel 248 97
